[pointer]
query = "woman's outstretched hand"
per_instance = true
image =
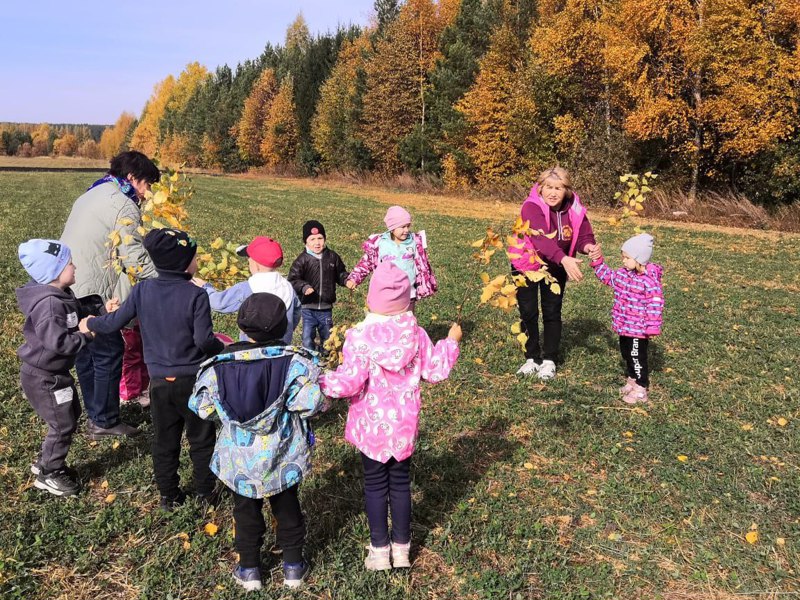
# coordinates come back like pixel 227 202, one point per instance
pixel 572 267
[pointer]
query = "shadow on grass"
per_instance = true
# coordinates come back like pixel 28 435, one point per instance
pixel 590 334
pixel 438 330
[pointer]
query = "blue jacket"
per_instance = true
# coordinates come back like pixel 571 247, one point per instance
pixel 272 282
pixel 177 332
pixel 263 396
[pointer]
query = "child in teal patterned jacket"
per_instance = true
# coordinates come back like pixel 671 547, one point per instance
pixel 263 393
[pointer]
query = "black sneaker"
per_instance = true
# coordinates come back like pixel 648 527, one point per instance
pixel 58 483
pixel 170 503
pixel 295 573
pixel 36 468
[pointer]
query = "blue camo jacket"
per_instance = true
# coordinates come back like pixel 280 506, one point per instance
pixel 263 398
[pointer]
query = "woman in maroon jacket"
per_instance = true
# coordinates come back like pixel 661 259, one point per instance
pixel 553 208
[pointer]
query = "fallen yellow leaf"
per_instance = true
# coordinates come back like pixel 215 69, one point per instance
pixel 528 465
pixel 782 422
pixel 110 498
pixel 104 485
pixel 115 445
pixel 747 427
pixel 751 537
pixel 780 541
pixel 186 545
pixel 211 529
pixel 628 434
pixel 683 457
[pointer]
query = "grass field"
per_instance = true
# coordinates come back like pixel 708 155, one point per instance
pixel 521 490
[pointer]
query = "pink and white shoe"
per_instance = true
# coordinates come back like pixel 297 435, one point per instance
pixel 637 395
pixel 625 389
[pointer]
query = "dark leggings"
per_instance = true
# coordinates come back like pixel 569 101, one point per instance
pixel 634 353
pixel 387 484
pixel 528 301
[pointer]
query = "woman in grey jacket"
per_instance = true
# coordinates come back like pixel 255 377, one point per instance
pixel 110 204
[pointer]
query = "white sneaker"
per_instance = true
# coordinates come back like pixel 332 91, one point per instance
pixel 378 559
pixel 547 370
pixel 529 368
pixel 400 555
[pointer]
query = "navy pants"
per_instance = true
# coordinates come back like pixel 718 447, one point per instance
pixel 316 321
pixel 99 368
pixel 387 485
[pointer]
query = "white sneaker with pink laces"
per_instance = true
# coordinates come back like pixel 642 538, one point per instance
pixel 400 555
pixel 629 383
pixel 637 395
pixel 378 559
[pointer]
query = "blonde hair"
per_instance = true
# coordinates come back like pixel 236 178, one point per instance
pixel 558 173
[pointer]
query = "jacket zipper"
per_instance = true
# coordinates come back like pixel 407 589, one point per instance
pixel 319 295
pixel 560 234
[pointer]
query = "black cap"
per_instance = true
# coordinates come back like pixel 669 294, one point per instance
pixel 170 249
pixel 312 228
pixel 262 317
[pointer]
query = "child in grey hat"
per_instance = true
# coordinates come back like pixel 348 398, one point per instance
pixel 637 311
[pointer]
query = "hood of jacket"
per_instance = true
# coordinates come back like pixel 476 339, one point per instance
pixel 30 294
pixel 377 337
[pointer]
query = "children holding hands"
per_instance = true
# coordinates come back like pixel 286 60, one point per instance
pixel 637 311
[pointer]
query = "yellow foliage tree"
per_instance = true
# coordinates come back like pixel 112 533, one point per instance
pixel 40 145
pixel 66 145
pixel 113 138
pixel 280 142
pixel 146 136
pixel 250 128
pixel 397 77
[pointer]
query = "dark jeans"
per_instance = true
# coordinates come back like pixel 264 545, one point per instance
pixel 169 408
pixel 634 353
pixel 99 368
pixel 55 399
pixel 389 481
pixel 248 518
pixel 528 301
pixel 316 321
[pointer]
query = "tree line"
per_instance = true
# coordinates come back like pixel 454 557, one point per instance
pixel 477 93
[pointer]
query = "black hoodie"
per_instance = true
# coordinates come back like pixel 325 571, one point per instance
pixel 52 339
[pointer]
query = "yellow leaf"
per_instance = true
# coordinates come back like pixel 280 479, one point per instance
pixel 516 328
pixel 158 225
pixel 159 197
pixel 114 237
pixel 747 427
pixel 550 236
pixel 751 537
pixel 140 230
pixel 479 361
pixel 628 434
pixel 125 221
pixel 211 529
pixel 110 498
pixel 683 457
pixel 104 485
pixel 186 545
pixel 555 288
pixel 127 239
pixel 782 422
pixel 614 536
pixel 780 541
pixel 528 465
pixel 485 278
pixel 522 338
pixel 478 244
pixel 217 243
pixel 115 445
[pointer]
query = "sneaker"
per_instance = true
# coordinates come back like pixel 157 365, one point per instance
pixel 629 383
pixel 378 559
pixel 400 553
pixel 637 395
pixel 58 483
pixel 547 370
pixel 143 399
pixel 95 432
pixel 249 579
pixel 295 573
pixel 170 503
pixel 530 367
pixel 36 468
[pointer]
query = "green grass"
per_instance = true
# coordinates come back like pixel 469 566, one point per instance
pixel 521 490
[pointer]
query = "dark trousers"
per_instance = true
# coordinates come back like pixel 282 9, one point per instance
pixel 389 481
pixel 55 400
pixel 99 368
pixel 248 517
pixel 528 301
pixel 316 321
pixel 169 408
pixel 634 353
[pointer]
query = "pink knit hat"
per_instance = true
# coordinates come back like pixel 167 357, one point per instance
pixel 389 289
pixel 396 216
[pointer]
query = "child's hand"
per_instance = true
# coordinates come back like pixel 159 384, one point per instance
pixel 350 284
pixel 309 291
pixel 595 251
pixel 455 332
pixel 112 305
pixel 198 281
pixel 82 327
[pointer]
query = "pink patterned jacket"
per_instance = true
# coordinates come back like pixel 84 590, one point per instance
pixel 426 284
pixel 385 358
pixel 638 299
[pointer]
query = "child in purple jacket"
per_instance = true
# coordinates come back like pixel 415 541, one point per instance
pixel 638 305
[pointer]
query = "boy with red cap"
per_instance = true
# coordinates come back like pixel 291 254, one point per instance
pixel 315 273
pixel 264 258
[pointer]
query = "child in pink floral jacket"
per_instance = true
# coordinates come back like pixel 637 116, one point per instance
pixel 401 246
pixel 385 358
pixel 637 310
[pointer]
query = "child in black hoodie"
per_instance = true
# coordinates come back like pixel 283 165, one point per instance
pixel 177 335
pixel 52 341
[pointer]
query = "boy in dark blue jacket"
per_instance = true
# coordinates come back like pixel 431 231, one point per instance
pixel 177 334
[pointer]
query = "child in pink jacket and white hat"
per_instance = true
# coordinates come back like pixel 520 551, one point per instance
pixel 398 244
pixel 385 358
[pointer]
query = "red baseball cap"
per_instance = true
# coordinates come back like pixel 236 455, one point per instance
pixel 265 251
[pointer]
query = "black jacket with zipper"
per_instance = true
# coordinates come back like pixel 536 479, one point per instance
pixel 322 274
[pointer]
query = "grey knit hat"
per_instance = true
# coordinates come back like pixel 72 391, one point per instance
pixel 639 248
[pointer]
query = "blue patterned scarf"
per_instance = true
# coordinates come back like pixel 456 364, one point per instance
pixel 123 184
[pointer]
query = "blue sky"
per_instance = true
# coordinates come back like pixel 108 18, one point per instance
pixel 86 61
